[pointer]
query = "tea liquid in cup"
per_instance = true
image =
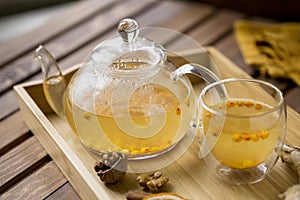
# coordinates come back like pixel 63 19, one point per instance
pixel 242 130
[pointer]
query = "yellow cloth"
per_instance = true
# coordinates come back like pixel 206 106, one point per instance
pixel 273 48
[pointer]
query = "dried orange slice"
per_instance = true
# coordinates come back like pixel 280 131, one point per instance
pixel 163 196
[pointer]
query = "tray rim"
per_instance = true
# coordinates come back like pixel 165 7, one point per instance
pixel 27 104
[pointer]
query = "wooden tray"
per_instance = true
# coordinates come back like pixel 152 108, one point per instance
pixel 189 176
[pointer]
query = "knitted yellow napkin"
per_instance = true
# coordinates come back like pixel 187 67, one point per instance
pixel 273 48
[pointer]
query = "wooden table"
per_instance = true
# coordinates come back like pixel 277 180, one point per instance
pixel 26 169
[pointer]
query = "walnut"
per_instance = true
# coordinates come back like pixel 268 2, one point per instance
pixel 111 167
pixel 153 181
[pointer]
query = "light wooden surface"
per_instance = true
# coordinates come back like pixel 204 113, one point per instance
pixel 189 175
pixel 70 37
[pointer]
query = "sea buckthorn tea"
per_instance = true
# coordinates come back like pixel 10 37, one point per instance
pixel 55 85
pixel 246 138
pixel 242 129
pixel 156 121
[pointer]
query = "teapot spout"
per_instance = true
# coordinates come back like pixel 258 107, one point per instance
pixel 54 83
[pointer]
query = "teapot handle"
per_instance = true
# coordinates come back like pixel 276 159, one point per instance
pixel 199 71
pixel 195 69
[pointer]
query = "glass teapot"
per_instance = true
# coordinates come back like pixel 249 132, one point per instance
pixel 126 96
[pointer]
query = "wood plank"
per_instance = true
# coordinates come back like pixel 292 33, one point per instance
pixel 191 13
pixel 38 185
pixel 211 30
pixel 18 46
pixel 9 104
pixel 64 192
pixel 93 29
pixel 292 133
pixel 292 98
pixel 17 71
pixel 187 15
pixel 16 163
pixel 229 47
pixel 239 60
pixel 13 130
pixel 69 41
pixel 9 101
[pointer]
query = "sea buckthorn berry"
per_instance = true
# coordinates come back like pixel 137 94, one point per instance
pixel 178 111
pixel 145 150
pixel 258 106
pixel 86 115
pixel 264 134
pixel 230 104
pixel 236 137
pixel 240 103
pixel 208 114
pixel 246 136
pixel 255 137
pixel 249 104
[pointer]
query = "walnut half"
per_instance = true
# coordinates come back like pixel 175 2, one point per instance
pixel 111 167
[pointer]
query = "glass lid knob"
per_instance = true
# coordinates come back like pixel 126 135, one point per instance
pixel 128 29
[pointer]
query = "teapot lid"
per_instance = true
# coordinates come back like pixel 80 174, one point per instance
pixel 128 52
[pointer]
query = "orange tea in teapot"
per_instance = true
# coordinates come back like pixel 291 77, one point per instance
pixel 156 120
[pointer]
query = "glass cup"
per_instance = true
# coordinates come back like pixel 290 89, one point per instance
pixel 242 128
